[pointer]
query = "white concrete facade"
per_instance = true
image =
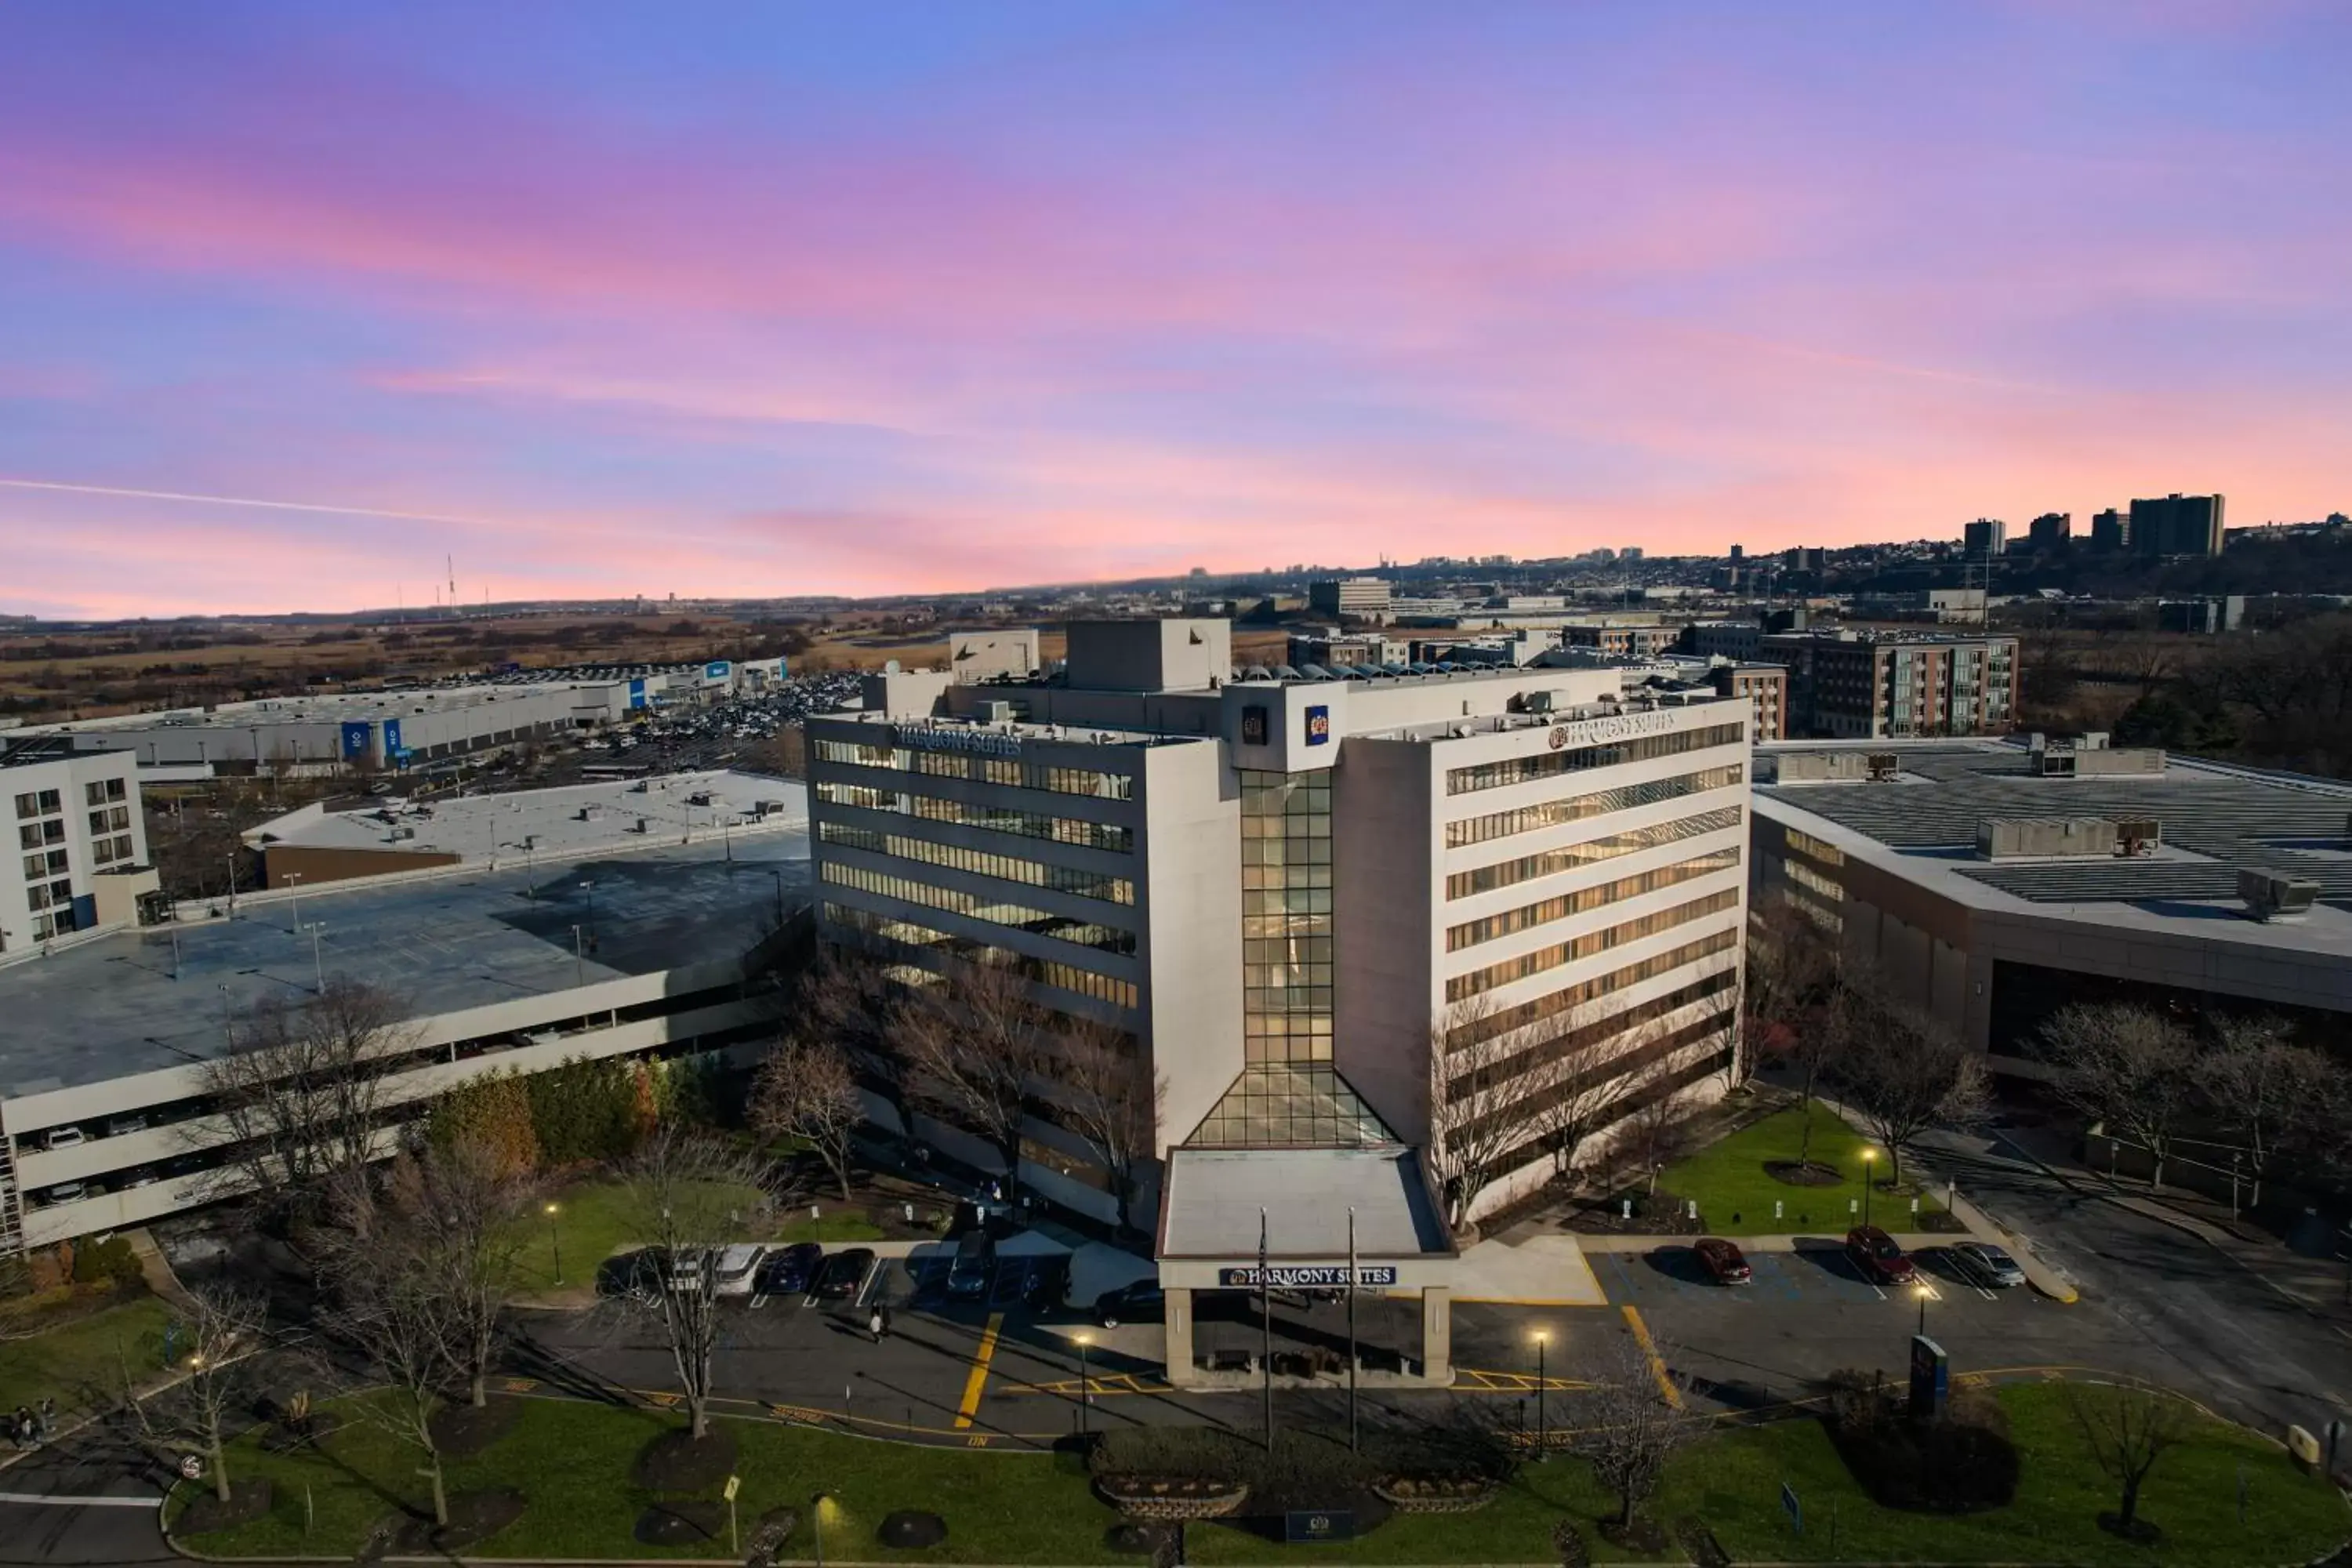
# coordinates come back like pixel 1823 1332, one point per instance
pixel 76 855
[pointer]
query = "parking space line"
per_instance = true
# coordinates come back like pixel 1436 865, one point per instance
pixel 1625 1278
pixel 1641 1331
pixel 979 1378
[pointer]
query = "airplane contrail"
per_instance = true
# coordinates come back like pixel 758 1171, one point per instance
pixel 238 500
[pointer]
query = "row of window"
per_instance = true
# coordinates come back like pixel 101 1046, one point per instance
pixel 48 864
pixel 1511 969
pixel 114 820
pixel 991 818
pixel 38 802
pixel 1569 998
pixel 1577 808
pixel 1008 771
pixel 972 906
pixel 98 792
pixel 107 851
pixel 1470 934
pixel 1633 1068
pixel 1044 971
pixel 1568 856
pixel 44 895
pixel 1577 759
pixel 33 835
pixel 1074 879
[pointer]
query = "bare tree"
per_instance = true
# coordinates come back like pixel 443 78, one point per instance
pixel 2272 1093
pixel 2126 1066
pixel 806 1089
pixel 2128 1427
pixel 1112 1098
pixel 978 1042
pixel 224 1326
pixel 1476 1079
pixel 1902 1071
pixel 1655 1126
pixel 686 1197
pixel 1634 1419
pixel 302 1088
pixel 848 999
pixel 1792 963
pixel 1582 1089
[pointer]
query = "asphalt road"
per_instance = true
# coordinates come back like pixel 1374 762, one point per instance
pixel 88 1500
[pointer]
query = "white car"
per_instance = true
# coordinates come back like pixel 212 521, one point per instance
pixel 737 1266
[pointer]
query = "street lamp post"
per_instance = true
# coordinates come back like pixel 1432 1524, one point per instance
pixel 1543 1427
pixel 555 1239
pixel 317 965
pixel 1922 1293
pixel 294 899
pixel 778 873
pixel 1869 1158
pixel 816 1521
pixel 1084 1386
pixel 579 960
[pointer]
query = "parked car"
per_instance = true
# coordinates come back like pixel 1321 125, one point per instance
pixel 735 1268
pixel 65 1138
pixel 66 1193
pixel 975 1262
pixel 844 1275
pixel 118 1125
pixel 1881 1261
pixel 1722 1260
pixel 1141 1302
pixel 1982 1263
pixel 790 1270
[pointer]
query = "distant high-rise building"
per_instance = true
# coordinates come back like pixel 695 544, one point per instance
pixel 2177 525
pixel 2051 530
pixel 2110 530
pixel 1737 553
pixel 1984 539
pixel 1354 596
pixel 1633 553
pixel 1804 558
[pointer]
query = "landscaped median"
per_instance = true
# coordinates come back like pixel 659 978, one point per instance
pixel 578 1469
pixel 1771 1178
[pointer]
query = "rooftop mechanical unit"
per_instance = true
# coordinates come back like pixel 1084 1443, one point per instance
pixel 2276 895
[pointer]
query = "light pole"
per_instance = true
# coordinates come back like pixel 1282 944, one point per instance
pixel 579 960
pixel 317 965
pixel 816 1521
pixel 1543 1428
pixel 555 1239
pixel 294 899
pixel 1869 1157
pixel 1085 1384
pixel 778 873
pixel 232 884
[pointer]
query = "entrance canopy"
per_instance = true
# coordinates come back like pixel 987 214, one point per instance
pixel 1212 1199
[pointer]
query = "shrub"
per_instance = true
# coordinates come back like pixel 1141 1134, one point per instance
pixel 492 1114
pixel 110 1262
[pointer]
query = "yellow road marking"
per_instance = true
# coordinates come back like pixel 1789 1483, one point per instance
pixel 979 1378
pixel 1649 1350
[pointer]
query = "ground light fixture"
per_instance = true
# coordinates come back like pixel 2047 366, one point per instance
pixel 816 1522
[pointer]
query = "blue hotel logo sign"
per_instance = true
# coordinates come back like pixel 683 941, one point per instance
pixel 1318 726
pixel 355 740
pixel 1306 1275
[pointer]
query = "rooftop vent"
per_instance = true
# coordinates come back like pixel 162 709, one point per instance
pixel 2276 895
pixel 2046 838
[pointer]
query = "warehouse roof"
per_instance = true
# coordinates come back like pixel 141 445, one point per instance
pixel 554 822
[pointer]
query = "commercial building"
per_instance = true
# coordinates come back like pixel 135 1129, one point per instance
pixel 1870 685
pixel 2223 613
pixel 2050 532
pixel 2111 532
pixel 1359 598
pixel 1985 538
pixel 1633 641
pixel 78 861
pixel 606 947
pixel 1992 883
pixel 1766 686
pixel 1334 915
pixel 2177 525
pixel 1340 650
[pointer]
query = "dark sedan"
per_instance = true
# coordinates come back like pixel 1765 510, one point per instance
pixel 1722 1262
pixel 790 1270
pixel 1881 1261
pixel 844 1275
pixel 1141 1302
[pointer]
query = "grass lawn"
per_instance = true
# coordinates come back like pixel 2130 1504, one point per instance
pixel 1735 1193
pixel 572 1461
pixel 78 1363
pixel 591 1221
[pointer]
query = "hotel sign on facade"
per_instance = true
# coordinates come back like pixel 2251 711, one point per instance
pixel 982 742
pixel 1616 727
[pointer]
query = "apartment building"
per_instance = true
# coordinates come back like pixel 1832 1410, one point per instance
pixel 1286 889
pixel 1766 686
pixel 1633 641
pixel 79 860
pixel 1361 598
pixel 1850 685
pixel 2177 525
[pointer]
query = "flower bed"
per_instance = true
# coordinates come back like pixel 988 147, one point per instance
pixel 1436 1494
pixel 1171 1497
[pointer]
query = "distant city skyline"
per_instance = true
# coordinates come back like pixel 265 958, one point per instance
pixel 745 301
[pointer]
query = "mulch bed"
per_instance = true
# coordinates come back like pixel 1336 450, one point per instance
pixel 909 1528
pixel 678 1461
pixel 689 1523
pixel 287 1435
pixel 248 1501
pixel 1700 1545
pixel 1644 1536
pixel 474 1517
pixel 461 1431
pixel 1811 1173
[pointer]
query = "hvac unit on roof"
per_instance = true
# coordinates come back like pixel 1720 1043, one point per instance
pixel 2273 896
pixel 1883 766
pixel 2136 837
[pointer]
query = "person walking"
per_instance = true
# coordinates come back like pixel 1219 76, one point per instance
pixel 878 1321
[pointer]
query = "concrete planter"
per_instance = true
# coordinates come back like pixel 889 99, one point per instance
pixel 1168 1498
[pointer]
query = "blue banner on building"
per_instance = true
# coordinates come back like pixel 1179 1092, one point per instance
pixel 1318 726
pixel 637 693
pixel 391 746
pixel 716 669
pixel 355 740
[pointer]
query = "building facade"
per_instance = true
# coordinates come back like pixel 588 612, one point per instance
pixel 1766 686
pixel 2110 531
pixel 1632 642
pixel 1320 908
pixel 1871 686
pixel 1359 598
pixel 79 860
pixel 2177 525
pixel 1985 538
pixel 2051 530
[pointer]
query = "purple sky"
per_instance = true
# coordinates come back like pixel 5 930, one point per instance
pixel 775 299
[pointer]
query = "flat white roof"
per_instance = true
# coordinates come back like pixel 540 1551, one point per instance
pixel 1215 1197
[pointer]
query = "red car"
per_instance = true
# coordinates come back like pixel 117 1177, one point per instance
pixel 1881 1261
pixel 1722 1260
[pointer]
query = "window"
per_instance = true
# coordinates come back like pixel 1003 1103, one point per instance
pixel 28 804
pixel 1569 856
pixel 98 822
pixel 115 790
pixel 1072 879
pixel 35 866
pixel 1470 934
pixel 987 770
pixel 30 836
pixel 1576 808
pixel 1576 759
pixel 975 814
pixel 94 791
pixel 928 941
pixel 974 906
pixel 1487 1026
pixel 53 831
pixel 101 852
pixel 1286 941
pixel 123 847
